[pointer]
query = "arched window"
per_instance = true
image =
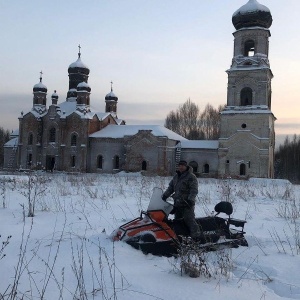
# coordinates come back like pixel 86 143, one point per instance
pixel 249 49
pixel 99 161
pixel 246 96
pixel 242 169
pixel 73 139
pixel 144 166
pixel 194 165
pixel 52 135
pixel 116 162
pixel 30 139
pixel 206 168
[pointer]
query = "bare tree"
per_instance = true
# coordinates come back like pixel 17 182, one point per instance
pixel 189 122
pixel 32 189
pixel 172 121
pixel 210 121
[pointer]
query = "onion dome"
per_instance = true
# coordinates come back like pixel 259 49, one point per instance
pixel 111 96
pixel 78 66
pixel 54 95
pixel 84 87
pixel 40 87
pixel 54 98
pixel 252 14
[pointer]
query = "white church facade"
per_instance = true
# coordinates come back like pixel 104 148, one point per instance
pixel 70 137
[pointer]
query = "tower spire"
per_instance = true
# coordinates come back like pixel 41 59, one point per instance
pixel 111 86
pixel 41 76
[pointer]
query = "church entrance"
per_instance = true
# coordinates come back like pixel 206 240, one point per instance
pixel 242 169
pixel 50 163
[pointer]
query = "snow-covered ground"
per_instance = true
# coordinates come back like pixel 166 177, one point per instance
pixel 64 251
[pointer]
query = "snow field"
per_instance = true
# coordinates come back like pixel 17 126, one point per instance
pixel 65 252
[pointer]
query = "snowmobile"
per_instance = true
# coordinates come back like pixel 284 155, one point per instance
pixel 154 232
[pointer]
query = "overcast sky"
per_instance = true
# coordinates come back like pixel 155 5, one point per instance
pixel 158 53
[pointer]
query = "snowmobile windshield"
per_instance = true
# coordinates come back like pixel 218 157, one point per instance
pixel 156 203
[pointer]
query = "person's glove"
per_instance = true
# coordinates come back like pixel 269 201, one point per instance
pixel 163 197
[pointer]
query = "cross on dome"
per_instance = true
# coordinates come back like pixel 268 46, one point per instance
pixel 41 76
pixel 79 53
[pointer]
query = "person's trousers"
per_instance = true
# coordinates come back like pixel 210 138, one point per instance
pixel 188 215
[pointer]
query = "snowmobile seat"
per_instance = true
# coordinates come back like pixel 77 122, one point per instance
pixel 224 207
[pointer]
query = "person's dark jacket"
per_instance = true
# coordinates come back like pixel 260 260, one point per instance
pixel 183 188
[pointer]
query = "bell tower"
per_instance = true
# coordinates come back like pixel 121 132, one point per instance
pixel 247 138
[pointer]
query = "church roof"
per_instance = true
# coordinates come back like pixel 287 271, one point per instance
pixel 101 115
pixel 200 144
pixel 12 143
pixel 119 121
pixel 15 133
pixel 113 131
pixel 67 107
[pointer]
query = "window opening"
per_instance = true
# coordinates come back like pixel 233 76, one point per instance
pixel 29 161
pixel 249 49
pixel 52 135
pixel 206 168
pixel 194 165
pixel 116 162
pixel 144 166
pixel 74 140
pixel 30 139
pixel 100 162
pixel 242 169
pixel 246 96
pixel 73 161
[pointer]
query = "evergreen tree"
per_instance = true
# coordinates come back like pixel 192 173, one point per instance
pixel 287 160
pixel 4 137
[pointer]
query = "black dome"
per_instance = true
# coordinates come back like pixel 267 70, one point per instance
pixel 252 14
pixel 111 96
pixel 83 86
pixel 54 95
pixel 78 67
pixel 39 87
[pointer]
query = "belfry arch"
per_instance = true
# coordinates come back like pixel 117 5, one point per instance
pixel 246 96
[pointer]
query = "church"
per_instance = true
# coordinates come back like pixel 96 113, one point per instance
pixel 69 136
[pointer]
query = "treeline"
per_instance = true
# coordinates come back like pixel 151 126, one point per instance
pixel 4 137
pixel 287 160
pixel 191 123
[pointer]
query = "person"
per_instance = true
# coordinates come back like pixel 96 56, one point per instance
pixel 184 188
